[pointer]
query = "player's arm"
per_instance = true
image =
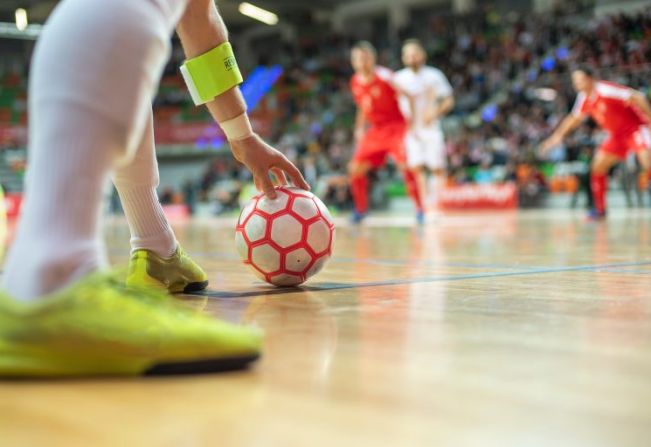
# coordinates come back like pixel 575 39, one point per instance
pixel 410 100
pixel 443 103
pixel 639 100
pixel 569 123
pixel 438 108
pixel 201 29
pixel 445 106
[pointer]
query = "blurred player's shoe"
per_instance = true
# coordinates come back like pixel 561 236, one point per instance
pixel 357 217
pixel 100 327
pixel 420 217
pixel 594 215
pixel 176 274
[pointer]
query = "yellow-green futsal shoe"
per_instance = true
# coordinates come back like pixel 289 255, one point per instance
pixel 100 327
pixel 176 274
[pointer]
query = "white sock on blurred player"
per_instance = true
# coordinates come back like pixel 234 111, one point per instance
pixel 89 100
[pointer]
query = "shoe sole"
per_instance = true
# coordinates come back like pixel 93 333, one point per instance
pixel 30 368
pixel 202 366
pixel 195 287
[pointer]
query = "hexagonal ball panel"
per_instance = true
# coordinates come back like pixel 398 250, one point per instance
pixel 266 258
pixel 318 236
pixel 324 210
pixel 257 273
pixel 255 228
pixel 275 205
pixel 305 207
pixel 317 266
pixel 241 245
pixel 246 211
pixel 286 280
pixel 298 191
pixel 297 260
pixel 286 230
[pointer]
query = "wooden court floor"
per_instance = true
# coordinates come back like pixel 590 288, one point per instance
pixel 523 329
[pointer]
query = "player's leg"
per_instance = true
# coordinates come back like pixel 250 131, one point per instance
pixel 394 141
pixel 79 127
pixel 415 148
pixel 436 162
pixel 411 184
pixel 370 153
pixel 94 72
pixel 136 183
pixel 642 145
pixel 358 170
pixel 156 258
pixel 601 164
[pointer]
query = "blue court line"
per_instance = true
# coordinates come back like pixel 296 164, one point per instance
pixel 428 279
pixel 628 271
pixel 406 263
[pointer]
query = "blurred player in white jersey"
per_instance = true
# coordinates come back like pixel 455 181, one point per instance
pixel 433 95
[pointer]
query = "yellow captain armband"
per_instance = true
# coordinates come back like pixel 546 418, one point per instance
pixel 211 74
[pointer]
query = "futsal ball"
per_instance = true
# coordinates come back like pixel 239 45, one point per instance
pixel 287 240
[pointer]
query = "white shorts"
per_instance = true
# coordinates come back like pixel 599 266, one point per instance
pixel 425 147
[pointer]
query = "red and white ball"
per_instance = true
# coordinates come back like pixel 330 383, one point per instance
pixel 286 240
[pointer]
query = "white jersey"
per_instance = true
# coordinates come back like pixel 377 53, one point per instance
pixel 427 84
pixel 425 145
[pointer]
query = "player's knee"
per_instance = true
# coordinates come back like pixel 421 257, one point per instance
pixel 107 57
pixel 599 167
pixel 356 169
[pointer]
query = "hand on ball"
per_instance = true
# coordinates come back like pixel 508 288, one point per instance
pixel 261 159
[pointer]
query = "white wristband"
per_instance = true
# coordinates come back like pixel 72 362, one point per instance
pixel 237 128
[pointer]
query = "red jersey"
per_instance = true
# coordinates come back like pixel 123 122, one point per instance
pixel 609 105
pixel 377 99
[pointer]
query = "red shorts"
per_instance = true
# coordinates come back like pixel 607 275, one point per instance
pixel 381 141
pixel 621 145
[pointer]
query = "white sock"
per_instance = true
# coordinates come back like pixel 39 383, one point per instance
pixel 136 184
pixel 58 239
pixel 94 71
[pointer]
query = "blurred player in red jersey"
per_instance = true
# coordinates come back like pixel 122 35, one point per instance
pixel 380 128
pixel 622 112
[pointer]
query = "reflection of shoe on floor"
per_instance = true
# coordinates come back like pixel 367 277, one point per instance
pixel 100 327
pixel 176 274
pixel 595 215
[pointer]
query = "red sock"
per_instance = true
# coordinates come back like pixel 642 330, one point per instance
pixel 598 185
pixel 359 191
pixel 412 189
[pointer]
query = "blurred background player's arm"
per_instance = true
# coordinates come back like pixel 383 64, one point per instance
pixel 438 110
pixel 438 106
pixel 639 100
pixel 445 106
pixel 569 123
pixel 201 29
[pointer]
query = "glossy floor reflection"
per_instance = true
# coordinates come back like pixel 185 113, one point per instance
pixel 523 329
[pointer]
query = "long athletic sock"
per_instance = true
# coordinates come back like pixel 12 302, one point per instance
pixel 412 189
pixel 58 238
pixel 94 72
pixel 598 185
pixel 136 184
pixel 359 191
